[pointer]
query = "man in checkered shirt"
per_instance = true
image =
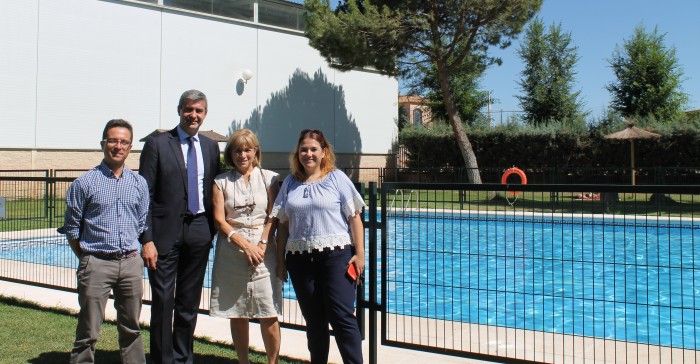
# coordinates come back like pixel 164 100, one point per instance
pixel 106 212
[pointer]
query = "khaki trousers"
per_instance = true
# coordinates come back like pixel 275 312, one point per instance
pixel 96 278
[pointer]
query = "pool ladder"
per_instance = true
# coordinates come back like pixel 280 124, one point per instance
pixel 405 204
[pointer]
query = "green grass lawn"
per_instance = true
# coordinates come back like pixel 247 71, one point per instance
pixel 29 214
pixel 542 202
pixel 33 334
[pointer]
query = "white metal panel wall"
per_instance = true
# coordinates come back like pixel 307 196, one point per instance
pixel 355 110
pixel 18 58
pixel 98 60
pixel 210 56
pixel 296 91
pixel 372 103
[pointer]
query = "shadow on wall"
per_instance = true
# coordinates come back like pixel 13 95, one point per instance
pixel 306 103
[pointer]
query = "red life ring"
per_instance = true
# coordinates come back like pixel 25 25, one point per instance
pixel 514 170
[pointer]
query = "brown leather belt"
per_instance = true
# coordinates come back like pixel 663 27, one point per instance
pixel 115 256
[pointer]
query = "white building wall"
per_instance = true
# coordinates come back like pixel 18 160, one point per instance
pixel 71 65
pixel 18 78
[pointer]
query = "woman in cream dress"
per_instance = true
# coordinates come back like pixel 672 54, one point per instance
pixel 242 286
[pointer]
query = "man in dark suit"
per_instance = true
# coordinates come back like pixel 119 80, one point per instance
pixel 179 166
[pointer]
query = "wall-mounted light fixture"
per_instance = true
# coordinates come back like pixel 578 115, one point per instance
pixel 247 75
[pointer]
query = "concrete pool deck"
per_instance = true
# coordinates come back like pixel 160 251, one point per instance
pixel 513 343
pixel 217 329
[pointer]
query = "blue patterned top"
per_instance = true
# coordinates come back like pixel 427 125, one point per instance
pixel 106 213
pixel 318 211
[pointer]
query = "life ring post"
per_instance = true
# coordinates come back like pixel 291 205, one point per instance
pixel 516 171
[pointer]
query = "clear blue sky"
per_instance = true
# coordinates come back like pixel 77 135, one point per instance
pixel 596 27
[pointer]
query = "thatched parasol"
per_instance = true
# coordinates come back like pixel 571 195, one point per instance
pixel 207 133
pixel 631 133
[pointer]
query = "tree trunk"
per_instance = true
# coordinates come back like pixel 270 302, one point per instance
pixel 465 146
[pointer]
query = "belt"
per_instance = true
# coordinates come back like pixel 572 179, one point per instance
pixel 115 255
pixel 243 226
pixel 323 250
pixel 189 215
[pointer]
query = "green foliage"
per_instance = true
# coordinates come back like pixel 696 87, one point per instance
pixel 393 35
pixel 34 334
pixel 551 145
pixel 558 145
pixel 403 118
pixel 648 77
pixel 468 98
pixel 693 115
pixel 548 77
pixel 396 36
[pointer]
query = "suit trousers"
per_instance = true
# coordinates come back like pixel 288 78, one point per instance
pixel 96 278
pixel 176 288
pixel 326 295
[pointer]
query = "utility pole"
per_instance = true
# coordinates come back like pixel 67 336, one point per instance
pixel 489 107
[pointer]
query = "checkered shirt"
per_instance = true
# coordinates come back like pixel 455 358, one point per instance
pixel 106 213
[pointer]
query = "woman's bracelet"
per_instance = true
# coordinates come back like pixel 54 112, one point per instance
pixel 230 233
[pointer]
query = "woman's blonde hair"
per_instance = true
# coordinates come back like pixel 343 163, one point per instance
pixel 327 163
pixel 242 138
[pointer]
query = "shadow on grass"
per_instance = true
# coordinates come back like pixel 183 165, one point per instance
pixel 112 356
pixel 103 356
pixel 34 306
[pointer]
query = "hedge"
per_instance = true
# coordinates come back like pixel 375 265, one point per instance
pixel 553 146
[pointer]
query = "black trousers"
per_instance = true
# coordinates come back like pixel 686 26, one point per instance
pixel 176 288
pixel 326 295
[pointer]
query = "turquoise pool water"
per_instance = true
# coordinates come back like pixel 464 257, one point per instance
pixel 582 276
pixel 592 277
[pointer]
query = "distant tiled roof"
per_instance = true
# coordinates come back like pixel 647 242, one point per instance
pixel 207 133
pixel 412 99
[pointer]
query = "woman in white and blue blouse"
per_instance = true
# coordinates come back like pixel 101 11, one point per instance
pixel 320 234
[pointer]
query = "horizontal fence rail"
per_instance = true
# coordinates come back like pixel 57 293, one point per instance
pixel 552 273
pixel 542 273
pixel 31 251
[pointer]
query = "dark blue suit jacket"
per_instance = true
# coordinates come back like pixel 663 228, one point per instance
pixel 163 167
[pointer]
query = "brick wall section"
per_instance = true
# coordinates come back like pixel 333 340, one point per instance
pixel 364 170
pixel 56 159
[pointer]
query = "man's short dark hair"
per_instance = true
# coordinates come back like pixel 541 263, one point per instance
pixel 193 95
pixel 118 123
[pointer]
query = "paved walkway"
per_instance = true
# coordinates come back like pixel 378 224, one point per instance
pixel 293 341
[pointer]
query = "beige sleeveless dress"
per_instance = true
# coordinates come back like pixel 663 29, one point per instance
pixel 237 290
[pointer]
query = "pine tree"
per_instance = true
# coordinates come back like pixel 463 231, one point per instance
pixel 548 77
pixel 648 77
pixel 469 99
pixel 394 36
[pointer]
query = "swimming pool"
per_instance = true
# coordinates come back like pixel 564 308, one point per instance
pixel 597 277
pixel 606 278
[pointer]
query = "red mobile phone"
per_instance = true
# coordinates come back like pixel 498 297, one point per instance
pixel 352 272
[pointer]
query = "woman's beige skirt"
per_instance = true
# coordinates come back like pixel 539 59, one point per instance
pixel 239 291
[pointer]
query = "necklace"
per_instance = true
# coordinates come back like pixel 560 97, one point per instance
pixel 249 205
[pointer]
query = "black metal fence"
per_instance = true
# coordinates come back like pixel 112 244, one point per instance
pixel 551 274
pixel 31 251
pixel 620 175
pixel 507 273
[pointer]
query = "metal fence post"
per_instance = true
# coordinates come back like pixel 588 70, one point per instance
pixel 360 290
pixel 372 225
